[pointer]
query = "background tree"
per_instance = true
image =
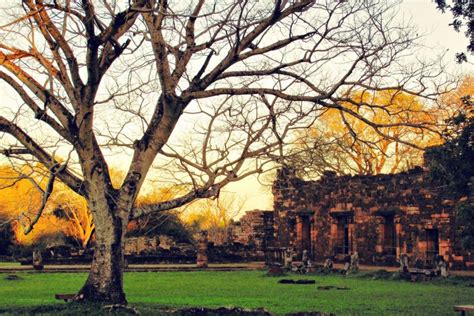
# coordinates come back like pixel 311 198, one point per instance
pixel 22 190
pixel 346 145
pixel 456 108
pixel 67 213
pixel 213 215
pixel 73 209
pixel 133 77
pixel 168 223
pixel 463 16
pixel 452 165
pixel 6 236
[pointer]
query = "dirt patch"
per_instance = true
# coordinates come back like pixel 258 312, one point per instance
pixel 275 271
pixel 309 314
pixel 12 277
pixel 290 281
pixel 202 311
pixel 331 287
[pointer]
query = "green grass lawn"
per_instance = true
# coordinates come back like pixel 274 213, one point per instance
pixel 250 289
pixel 9 264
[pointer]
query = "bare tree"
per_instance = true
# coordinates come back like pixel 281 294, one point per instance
pixel 104 77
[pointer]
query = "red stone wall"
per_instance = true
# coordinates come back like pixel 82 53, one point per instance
pixel 380 217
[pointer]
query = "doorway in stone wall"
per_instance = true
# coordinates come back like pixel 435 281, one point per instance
pixel 306 233
pixel 432 244
pixel 389 236
pixel 343 235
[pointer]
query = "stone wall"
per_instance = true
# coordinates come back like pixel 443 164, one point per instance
pixel 380 217
pixel 145 244
pixel 137 245
pixel 254 229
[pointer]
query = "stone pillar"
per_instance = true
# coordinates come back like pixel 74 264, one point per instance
pixel 380 234
pixel 399 244
pixel 291 231
pixel 333 236
pixel 37 260
pixel 352 240
pixel 298 245
pixel 314 239
pixel 444 248
pixel 202 259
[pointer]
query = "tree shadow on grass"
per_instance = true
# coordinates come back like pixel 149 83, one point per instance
pixel 98 309
pixel 59 309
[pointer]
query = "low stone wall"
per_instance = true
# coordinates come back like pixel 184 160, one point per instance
pixel 142 250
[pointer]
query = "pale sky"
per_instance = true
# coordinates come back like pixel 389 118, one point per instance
pixel 431 21
pixel 440 36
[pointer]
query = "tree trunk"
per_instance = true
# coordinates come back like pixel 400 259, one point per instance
pixel 105 281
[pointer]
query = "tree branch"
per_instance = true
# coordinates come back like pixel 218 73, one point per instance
pixel 46 159
pixel 46 194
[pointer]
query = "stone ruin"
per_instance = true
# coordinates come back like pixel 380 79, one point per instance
pixel 255 231
pixel 386 219
pixel 137 245
pixel 202 259
pixel 247 240
pixel 145 244
pixel 380 217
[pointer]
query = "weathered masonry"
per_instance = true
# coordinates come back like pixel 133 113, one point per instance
pixel 254 229
pixel 380 217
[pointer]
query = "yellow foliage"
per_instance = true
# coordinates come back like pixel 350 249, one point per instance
pixel 211 214
pixel 46 225
pixel 17 195
pixel 453 100
pixel 358 147
pixel 66 212
pixel 78 218
pixel 20 199
pixel 116 176
pixel 159 195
